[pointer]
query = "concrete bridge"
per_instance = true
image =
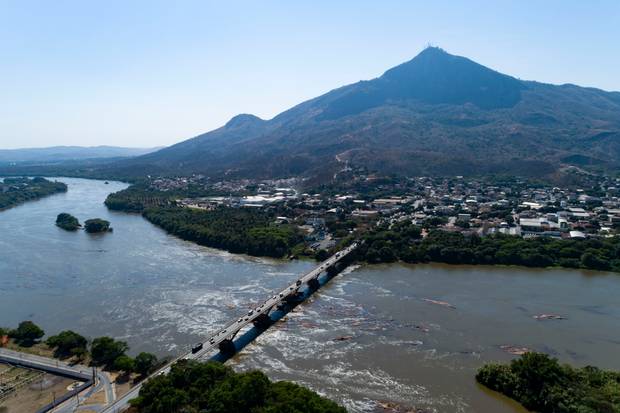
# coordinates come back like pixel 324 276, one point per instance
pixel 224 343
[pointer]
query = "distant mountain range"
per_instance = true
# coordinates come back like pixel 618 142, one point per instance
pixel 436 114
pixel 68 153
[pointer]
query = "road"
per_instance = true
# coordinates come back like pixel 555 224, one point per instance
pixel 213 341
pixel 56 366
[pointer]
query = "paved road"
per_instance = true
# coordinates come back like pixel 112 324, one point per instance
pixel 225 333
pixel 48 364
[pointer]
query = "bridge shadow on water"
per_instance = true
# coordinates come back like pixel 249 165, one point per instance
pixel 275 315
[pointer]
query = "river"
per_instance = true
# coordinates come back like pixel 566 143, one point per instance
pixel 375 334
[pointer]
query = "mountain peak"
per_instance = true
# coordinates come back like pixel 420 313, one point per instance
pixel 434 76
pixel 242 120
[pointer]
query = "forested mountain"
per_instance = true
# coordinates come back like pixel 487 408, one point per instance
pixel 436 114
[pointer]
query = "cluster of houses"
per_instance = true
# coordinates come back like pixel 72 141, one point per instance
pixel 512 206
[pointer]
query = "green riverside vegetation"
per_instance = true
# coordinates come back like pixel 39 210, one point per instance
pixel 403 241
pixel 106 352
pixel 238 230
pixel 212 387
pixel 14 191
pixel 542 384
pixel 67 222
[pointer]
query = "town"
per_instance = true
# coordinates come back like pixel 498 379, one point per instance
pixel 510 206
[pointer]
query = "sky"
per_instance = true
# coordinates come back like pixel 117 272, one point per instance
pixel 151 73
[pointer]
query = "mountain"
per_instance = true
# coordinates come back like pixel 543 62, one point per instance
pixel 435 114
pixel 68 153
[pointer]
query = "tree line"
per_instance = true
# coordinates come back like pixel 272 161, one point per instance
pixel 211 387
pixel 237 230
pixel 540 383
pixel 102 351
pixel 403 241
pixel 14 191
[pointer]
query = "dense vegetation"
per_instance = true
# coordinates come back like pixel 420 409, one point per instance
pixel 26 333
pixel 212 387
pixel 238 230
pixel 403 242
pixel 68 344
pixel 137 198
pixel 97 225
pixel 14 191
pixel 67 222
pixel 541 384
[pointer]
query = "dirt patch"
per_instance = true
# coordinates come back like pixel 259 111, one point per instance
pixel 36 394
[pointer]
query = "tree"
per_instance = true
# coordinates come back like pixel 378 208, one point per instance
pixel 27 333
pixel 125 364
pixel 105 350
pixel 144 363
pixel 68 343
pixel 212 387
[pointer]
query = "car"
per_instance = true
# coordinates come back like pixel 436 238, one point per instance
pixel 274 297
pixel 212 341
pixel 298 283
pixel 240 320
pixel 281 295
pixel 250 312
pixel 196 348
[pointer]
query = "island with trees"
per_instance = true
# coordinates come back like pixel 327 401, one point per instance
pixel 15 191
pixel 540 383
pixel 67 222
pixel 97 225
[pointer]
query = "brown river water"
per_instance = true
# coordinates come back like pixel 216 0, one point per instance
pixel 412 336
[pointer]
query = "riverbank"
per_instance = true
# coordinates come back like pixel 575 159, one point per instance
pixel 16 191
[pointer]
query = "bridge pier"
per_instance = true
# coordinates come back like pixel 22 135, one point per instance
pixel 313 283
pixel 263 321
pixel 294 298
pixel 227 347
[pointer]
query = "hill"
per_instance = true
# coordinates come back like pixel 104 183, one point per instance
pixel 435 114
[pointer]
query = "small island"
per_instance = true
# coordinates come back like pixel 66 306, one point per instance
pixel 97 225
pixel 67 222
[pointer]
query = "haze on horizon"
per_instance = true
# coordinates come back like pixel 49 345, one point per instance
pixel 148 74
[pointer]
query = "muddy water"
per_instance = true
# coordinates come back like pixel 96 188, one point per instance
pixel 409 335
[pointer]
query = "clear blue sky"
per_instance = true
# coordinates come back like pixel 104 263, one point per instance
pixel 147 73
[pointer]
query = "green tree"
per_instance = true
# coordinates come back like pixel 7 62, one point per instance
pixel 144 363
pixel 124 364
pixel 68 343
pixel 27 333
pixel 105 350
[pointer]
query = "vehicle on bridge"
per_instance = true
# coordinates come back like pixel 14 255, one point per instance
pixel 196 348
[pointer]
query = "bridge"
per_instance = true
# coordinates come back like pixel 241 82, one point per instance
pixel 260 318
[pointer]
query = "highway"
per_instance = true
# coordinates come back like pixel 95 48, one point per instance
pixel 212 342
